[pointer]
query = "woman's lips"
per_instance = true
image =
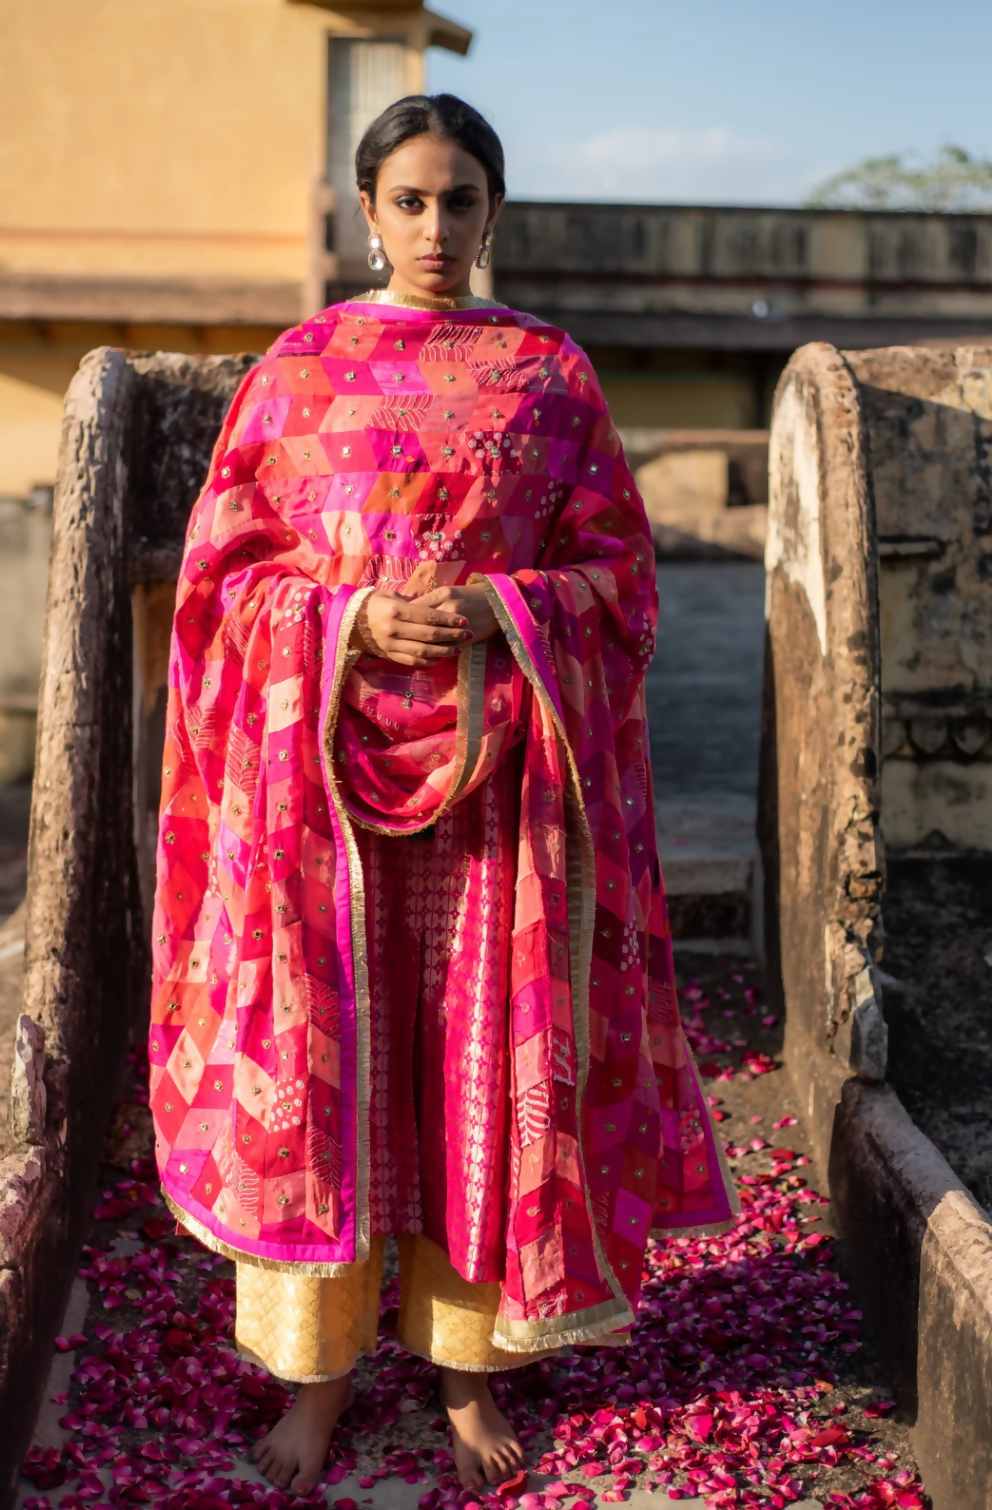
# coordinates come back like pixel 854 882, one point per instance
pixel 435 263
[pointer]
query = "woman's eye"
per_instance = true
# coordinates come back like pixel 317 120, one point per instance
pixel 409 202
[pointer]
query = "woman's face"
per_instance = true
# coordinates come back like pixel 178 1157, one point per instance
pixel 432 211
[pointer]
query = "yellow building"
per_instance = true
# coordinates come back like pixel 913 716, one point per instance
pixel 177 174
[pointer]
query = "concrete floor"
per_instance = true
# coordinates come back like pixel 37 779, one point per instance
pixel 704 684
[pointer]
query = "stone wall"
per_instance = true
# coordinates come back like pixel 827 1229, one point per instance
pixel 929 414
pixel 879 625
pixel 930 418
pixel 135 447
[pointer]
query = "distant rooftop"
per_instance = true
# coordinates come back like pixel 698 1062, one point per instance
pixel 744 277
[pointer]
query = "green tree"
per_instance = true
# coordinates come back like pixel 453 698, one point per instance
pixel 953 180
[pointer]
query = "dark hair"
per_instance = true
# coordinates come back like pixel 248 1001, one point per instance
pixel 429 115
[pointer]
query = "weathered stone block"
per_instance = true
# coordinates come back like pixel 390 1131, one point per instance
pixel 687 496
pixel 685 483
pixel 136 442
pixel 880 531
pixel 28 1096
pixel 22 1195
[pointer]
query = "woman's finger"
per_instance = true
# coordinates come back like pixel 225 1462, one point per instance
pixel 445 598
pixel 419 611
pixel 437 634
pixel 425 654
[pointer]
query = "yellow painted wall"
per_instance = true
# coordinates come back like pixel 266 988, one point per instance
pixel 37 363
pixel 153 138
pixel 173 137
pixel 32 384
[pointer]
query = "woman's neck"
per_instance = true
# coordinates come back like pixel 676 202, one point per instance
pixel 399 285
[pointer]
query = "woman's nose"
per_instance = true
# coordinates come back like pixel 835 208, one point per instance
pixel 436 229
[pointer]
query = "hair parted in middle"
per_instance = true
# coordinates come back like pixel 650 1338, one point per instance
pixel 430 115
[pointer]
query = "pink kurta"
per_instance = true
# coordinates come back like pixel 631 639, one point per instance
pixel 472 1033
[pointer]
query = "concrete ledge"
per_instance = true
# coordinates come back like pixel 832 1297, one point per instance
pixel 920 1248
pixel 181 301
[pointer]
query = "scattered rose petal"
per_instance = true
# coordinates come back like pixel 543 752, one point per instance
pixel 723 1393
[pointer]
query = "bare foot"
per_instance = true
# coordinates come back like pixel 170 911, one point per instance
pixel 483 1441
pixel 295 1451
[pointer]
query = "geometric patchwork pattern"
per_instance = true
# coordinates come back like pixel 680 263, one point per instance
pixel 371 441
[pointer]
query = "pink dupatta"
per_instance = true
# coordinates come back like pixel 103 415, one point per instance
pixel 372 439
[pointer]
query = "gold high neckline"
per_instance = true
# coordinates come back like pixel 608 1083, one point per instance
pixel 426 301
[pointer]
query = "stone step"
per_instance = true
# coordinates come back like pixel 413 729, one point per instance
pixel 709 859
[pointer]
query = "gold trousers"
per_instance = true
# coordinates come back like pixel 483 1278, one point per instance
pixel 306 1330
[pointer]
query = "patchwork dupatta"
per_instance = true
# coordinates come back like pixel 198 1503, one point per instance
pixel 372 440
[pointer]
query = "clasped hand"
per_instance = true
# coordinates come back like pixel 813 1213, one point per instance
pixel 420 631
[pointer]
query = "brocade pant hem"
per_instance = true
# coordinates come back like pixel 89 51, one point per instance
pixel 309 1330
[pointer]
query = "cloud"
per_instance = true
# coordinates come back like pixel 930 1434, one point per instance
pixel 645 163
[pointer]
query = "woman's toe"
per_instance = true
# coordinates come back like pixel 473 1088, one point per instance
pixel 310 1469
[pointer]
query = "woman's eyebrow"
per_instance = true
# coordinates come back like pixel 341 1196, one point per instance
pixel 409 189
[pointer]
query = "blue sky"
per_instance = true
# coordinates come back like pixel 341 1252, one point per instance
pixel 733 101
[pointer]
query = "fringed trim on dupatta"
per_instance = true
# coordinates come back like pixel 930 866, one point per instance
pixel 595 1326
pixel 217 1244
pixel 580 860
pixel 715 1229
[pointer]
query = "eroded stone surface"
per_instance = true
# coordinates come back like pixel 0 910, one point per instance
pixel 28 1096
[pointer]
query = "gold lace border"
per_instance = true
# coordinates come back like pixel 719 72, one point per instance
pixel 437 302
pixel 571 1330
pixel 580 869
pixel 344 659
pixel 209 1239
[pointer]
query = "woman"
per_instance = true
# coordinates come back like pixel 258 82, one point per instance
pixel 413 972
